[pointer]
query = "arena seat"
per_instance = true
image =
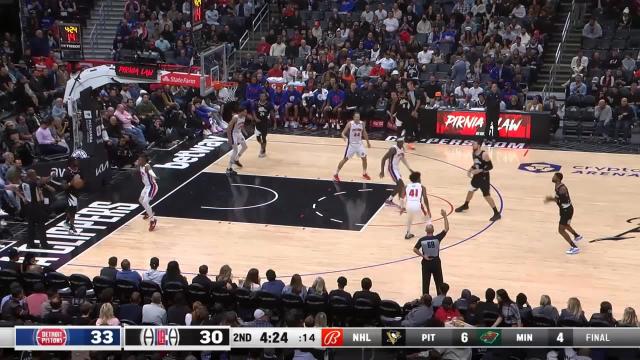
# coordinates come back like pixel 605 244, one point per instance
pixel 339 310
pixel 315 303
pixel 197 292
pixel 77 280
pixel 364 313
pixel 147 288
pixel 124 288
pixel 57 281
pixel 100 283
pixel 30 279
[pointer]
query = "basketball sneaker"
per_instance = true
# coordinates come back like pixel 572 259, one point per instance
pixel 261 155
pixel 237 163
pixel 152 224
pixel 366 176
pixel 462 208
pixel 230 171
pixel 326 126
pixel 573 251
pixel 65 224
pixel 145 216
pixel 336 178
pixel 389 202
pixel 73 231
pixel 408 236
pixel 578 238
pixel 495 217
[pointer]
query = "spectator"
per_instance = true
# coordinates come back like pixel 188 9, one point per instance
pixel 444 289
pixel 252 280
pixel 524 307
pixel 509 315
pixel 127 274
pixel 535 105
pixel 420 315
pixel 605 315
pixel 424 25
pixel 464 301
pixel 278 49
pixel 579 64
pixel 36 299
pixel 624 121
pixel 131 311
pixel 39 45
pixel 296 287
pixel 224 278
pixel 447 312
pixel 577 87
pixel 173 275
pixel 107 317
pixel 546 309
pixel 366 293
pixel 212 15
pixel 47 144
pixel 629 318
pixel 272 285
pixel 318 287
pixel 260 319
pixel 154 313
pixel 592 29
pixel 56 314
pixel 340 292
pixel 110 271
pixel 153 274
pixel 519 11
pixel 628 64
pixel 202 278
pixel 130 125
pixel 85 318
pixel 574 312
pixel 176 314
pixel 29 264
pixel 603 116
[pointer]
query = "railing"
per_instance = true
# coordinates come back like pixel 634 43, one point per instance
pixel 93 36
pixel 550 87
pixel 256 25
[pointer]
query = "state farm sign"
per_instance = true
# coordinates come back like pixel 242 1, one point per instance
pixel 471 123
pixel 181 79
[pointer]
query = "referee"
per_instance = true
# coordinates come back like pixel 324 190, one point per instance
pixel 492 114
pixel 430 246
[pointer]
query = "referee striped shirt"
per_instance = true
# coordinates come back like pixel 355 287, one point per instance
pixel 430 244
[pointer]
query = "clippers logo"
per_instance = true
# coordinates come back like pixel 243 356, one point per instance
pixel 471 123
pixel 51 337
pixel 332 337
pixel 159 337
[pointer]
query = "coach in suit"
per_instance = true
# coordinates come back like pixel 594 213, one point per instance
pixel 493 100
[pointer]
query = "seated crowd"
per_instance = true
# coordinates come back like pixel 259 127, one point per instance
pixel 32 294
pixel 605 74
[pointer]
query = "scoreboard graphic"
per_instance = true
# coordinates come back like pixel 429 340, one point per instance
pixel 220 338
pixel 68 338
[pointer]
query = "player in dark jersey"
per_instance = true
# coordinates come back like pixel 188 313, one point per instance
pixel 480 179
pixel 263 113
pixel 563 200
pixel 72 172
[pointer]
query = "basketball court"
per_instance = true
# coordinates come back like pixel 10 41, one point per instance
pixel 284 212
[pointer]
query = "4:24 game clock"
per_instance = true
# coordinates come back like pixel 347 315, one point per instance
pixel 276 337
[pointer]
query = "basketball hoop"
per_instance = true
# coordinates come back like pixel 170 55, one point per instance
pixel 226 90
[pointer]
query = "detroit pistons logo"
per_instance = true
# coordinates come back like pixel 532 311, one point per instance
pixel 159 337
pixel 51 337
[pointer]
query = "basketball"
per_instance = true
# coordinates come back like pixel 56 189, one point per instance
pixel 77 182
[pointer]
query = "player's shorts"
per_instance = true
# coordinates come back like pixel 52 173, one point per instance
pixel 565 215
pixel 72 203
pixel 261 131
pixel 237 139
pixel 482 182
pixel 395 174
pixel 148 193
pixel 355 149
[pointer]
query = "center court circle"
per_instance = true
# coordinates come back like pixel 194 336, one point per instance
pixel 274 197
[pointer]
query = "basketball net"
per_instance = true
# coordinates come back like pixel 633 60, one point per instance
pixel 226 90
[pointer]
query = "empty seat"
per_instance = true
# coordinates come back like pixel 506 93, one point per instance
pixel 30 279
pixel 390 309
pixel 77 280
pixel 100 283
pixel 364 313
pixel 124 288
pixel 147 288
pixel 56 280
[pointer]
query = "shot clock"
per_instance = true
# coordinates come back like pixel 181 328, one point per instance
pixel 70 41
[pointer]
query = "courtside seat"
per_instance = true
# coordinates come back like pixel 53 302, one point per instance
pixel 339 310
pixel 147 288
pixel 197 292
pixel 77 280
pixel 364 313
pixel 315 303
pixel 100 283
pixel 30 279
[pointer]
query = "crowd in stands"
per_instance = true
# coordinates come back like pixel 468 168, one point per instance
pixel 33 294
pixel 605 74
pixel 355 55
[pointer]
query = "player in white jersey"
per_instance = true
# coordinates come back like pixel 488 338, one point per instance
pixel 395 155
pixel 149 190
pixel 416 202
pixel 235 133
pixel 356 130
